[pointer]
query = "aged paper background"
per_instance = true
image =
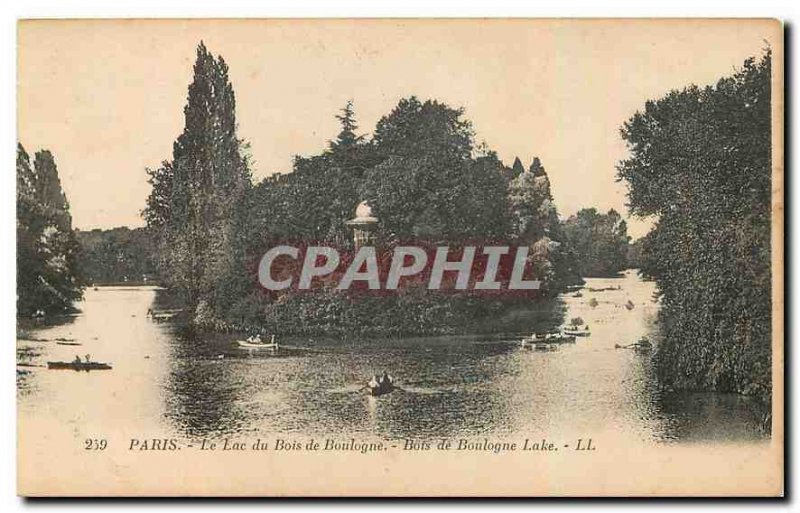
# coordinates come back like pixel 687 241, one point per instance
pixel 51 461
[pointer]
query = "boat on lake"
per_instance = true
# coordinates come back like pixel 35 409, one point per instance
pixel 547 338
pixel 380 385
pixel 163 315
pixel 256 343
pixel 577 332
pixel 643 345
pixel 79 365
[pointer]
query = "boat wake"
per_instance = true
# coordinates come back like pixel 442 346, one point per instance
pixel 347 389
pixel 420 390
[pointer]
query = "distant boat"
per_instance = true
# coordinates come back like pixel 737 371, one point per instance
pixel 547 338
pixel 643 345
pixel 252 344
pixel 380 386
pixel 163 315
pixel 604 289
pixel 577 332
pixel 79 366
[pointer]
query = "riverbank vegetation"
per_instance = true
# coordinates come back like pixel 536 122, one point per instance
pixel 116 256
pixel 600 242
pixel 47 275
pixel 700 162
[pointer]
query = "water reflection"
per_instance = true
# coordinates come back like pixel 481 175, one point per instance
pixel 699 417
pixel 197 386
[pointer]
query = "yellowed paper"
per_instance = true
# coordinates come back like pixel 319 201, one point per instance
pixel 155 357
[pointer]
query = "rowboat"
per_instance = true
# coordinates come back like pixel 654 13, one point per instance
pixel 380 387
pixel 576 332
pixel 257 345
pixel 547 338
pixel 643 345
pixel 249 344
pixel 79 366
pixel 163 315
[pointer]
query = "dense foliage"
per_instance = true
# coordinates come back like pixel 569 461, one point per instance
pixel 198 205
pixel 47 278
pixel 600 241
pixel 118 255
pixel 700 160
pixel 420 172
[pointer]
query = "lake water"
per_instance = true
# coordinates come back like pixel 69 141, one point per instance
pixel 467 386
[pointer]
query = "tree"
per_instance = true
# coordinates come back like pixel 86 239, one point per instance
pixel 599 240
pixel 347 138
pixel 199 199
pixel 314 201
pixel 517 169
pixel 534 222
pixel 427 185
pixel 47 277
pixel 533 213
pixel 536 168
pixel 424 180
pixel 424 130
pixel 116 255
pixel 700 161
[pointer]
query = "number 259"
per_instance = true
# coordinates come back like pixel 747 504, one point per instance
pixel 94 444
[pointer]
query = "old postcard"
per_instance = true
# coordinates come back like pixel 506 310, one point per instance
pixel 384 257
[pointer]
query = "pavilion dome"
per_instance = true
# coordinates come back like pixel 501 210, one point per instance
pixel 363 215
pixel 363 210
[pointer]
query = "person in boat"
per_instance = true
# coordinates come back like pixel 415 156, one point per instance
pixel 88 358
pixel 386 379
pixel 77 359
pixel 375 381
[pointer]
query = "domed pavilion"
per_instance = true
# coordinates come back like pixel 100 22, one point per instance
pixel 364 225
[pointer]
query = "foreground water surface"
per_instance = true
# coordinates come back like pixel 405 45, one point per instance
pixel 460 386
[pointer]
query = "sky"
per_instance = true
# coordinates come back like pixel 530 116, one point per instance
pixel 107 97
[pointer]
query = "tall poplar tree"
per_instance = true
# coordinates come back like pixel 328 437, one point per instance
pixel 199 198
pixel 47 249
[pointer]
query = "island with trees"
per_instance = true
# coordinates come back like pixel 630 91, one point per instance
pixel 699 163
